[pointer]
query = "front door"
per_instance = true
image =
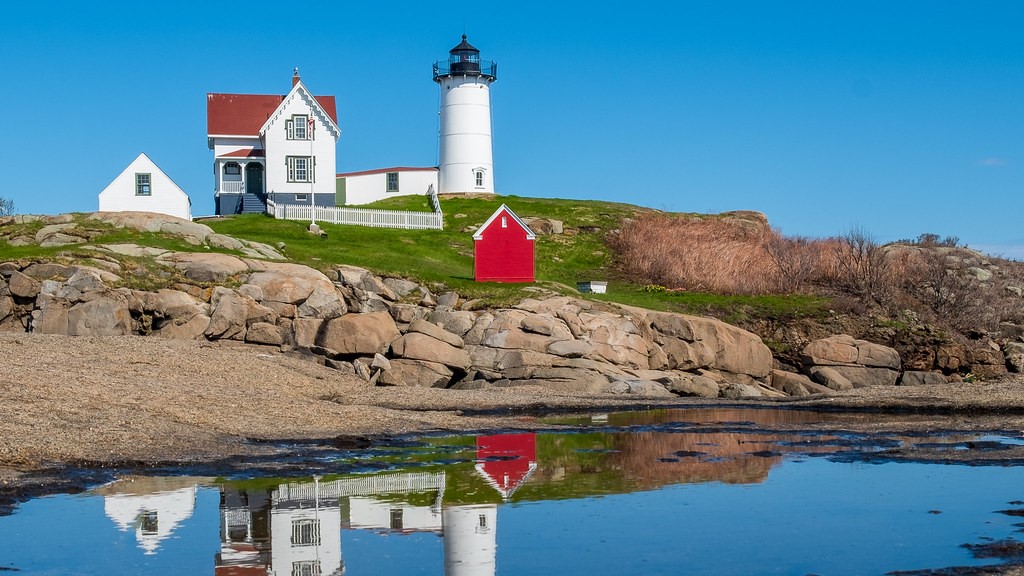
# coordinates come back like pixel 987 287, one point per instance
pixel 254 178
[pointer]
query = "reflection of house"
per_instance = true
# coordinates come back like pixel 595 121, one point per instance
pixel 143 187
pixel 152 512
pixel 282 146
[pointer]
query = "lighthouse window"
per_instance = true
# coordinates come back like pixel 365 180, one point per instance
pixel 479 178
pixel 392 178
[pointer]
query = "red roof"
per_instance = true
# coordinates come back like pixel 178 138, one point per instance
pixel 383 170
pixel 245 114
pixel 246 153
pixel 506 460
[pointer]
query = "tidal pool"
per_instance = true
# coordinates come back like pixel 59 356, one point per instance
pixel 725 491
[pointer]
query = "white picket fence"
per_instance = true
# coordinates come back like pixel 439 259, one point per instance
pixel 362 216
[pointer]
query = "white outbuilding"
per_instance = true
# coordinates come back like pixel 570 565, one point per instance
pixel 143 187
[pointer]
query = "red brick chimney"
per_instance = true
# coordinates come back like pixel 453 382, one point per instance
pixel 295 77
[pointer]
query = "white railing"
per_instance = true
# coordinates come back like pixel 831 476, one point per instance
pixel 402 483
pixel 232 186
pixel 362 216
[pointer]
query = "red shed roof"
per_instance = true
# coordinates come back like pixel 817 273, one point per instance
pixel 245 114
pixel 506 461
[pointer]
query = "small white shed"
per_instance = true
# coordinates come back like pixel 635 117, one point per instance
pixel 143 187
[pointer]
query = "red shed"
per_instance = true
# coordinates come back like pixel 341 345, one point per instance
pixel 503 249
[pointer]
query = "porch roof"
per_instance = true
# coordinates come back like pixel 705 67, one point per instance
pixel 245 153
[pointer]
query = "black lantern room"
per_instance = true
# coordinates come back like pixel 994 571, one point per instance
pixel 464 60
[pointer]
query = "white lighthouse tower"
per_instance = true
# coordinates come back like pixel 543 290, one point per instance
pixel 465 160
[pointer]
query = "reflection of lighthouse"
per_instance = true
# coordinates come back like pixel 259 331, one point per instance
pixel 465 160
pixel 470 540
pixel 506 462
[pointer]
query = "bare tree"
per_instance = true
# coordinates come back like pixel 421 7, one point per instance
pixel 6 206
pixel 863 266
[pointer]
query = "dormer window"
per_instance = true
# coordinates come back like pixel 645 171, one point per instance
pixel 297 127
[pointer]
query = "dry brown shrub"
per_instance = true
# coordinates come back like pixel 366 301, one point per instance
pixel 716 255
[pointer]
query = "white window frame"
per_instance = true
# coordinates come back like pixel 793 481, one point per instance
pixel 297 128
pixel 296 165
pixel 479 178
pixel 143 184
pixel 305 532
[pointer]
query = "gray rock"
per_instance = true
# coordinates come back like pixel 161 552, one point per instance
pixel 323 303
pixel 570 348
pixel 264 333
pixel 830 378
pixel 980 274
pixel 380 362
pixel 538 325
pixel 685 384
pixel 435 331
pixel 178 329
pixel 22 286
pixel 405 372
pixel 401 287
pixel 225 242
pixel 419 346
pixel 406 313
pixel 448 300
pixel 737 391
pixel 1014 354
pixel 50 316
pixel 205 267
pixel 86 281
pixel 252 291
pixel 49 271
pixel 922 378
pixel 229 317
pixel 103 315
pixel 367 334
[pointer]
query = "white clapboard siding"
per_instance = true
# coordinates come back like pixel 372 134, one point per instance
pixel 165 196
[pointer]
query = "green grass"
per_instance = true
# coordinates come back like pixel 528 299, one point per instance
pixel 440 259
pixel 443 259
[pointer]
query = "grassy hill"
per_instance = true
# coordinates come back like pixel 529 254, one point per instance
pixel 445 257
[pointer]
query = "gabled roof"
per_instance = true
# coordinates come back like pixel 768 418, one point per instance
pixel 383 170
pixel 143 162
pixel 479 235
pixel 506 461
pixel 245 114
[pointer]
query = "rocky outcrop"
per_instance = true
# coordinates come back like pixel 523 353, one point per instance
pixel 841 362
pixel 391 331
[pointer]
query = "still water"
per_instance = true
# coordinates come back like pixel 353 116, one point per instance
pixel 668 492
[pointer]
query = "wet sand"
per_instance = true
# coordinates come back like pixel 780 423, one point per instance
pixel 93 402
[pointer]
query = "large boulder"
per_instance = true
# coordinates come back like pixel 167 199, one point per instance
pixel 841 361
pixel 358 334
pixel 734 350
pixel 407 372
pixel 419 346
pixel 104 314
pixel 23 286
pixel 202 267
pixel 230 315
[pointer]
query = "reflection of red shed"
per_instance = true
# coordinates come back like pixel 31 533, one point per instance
pixel 503 249
pixel 506 461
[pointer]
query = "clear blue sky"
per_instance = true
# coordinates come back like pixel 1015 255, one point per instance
pixel 901 117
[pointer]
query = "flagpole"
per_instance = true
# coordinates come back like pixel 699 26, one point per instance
pixel 312 194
